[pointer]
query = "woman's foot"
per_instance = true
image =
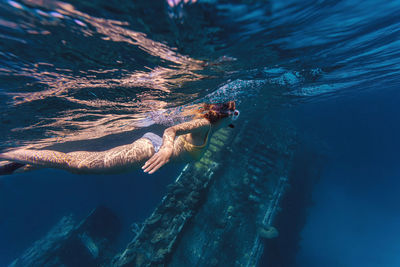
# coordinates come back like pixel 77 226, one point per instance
pixel 9 168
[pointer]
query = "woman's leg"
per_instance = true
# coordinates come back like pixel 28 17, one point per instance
pixel 47 158
pixel 117 159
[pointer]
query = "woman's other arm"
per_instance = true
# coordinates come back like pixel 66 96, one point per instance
pixel 164 154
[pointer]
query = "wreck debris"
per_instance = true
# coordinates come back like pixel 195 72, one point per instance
pixel 209 209
pixel 69 243
pixel 161 230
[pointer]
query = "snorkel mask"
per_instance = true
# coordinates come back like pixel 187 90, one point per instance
pixel 234 116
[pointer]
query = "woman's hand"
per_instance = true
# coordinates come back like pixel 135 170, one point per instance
pixel 157 160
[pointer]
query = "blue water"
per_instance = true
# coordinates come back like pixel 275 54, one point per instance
pixel 80 71
pixel 354 219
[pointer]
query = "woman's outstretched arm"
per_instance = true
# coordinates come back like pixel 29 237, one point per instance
pixel 164 154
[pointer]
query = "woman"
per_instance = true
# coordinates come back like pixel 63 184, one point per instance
pixel 183 142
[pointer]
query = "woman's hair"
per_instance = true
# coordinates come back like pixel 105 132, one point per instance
pixel 217 111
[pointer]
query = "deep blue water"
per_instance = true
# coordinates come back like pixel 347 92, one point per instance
pixel 75 71
pixel 354 218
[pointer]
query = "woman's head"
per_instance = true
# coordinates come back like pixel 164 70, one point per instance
pixel 218 111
